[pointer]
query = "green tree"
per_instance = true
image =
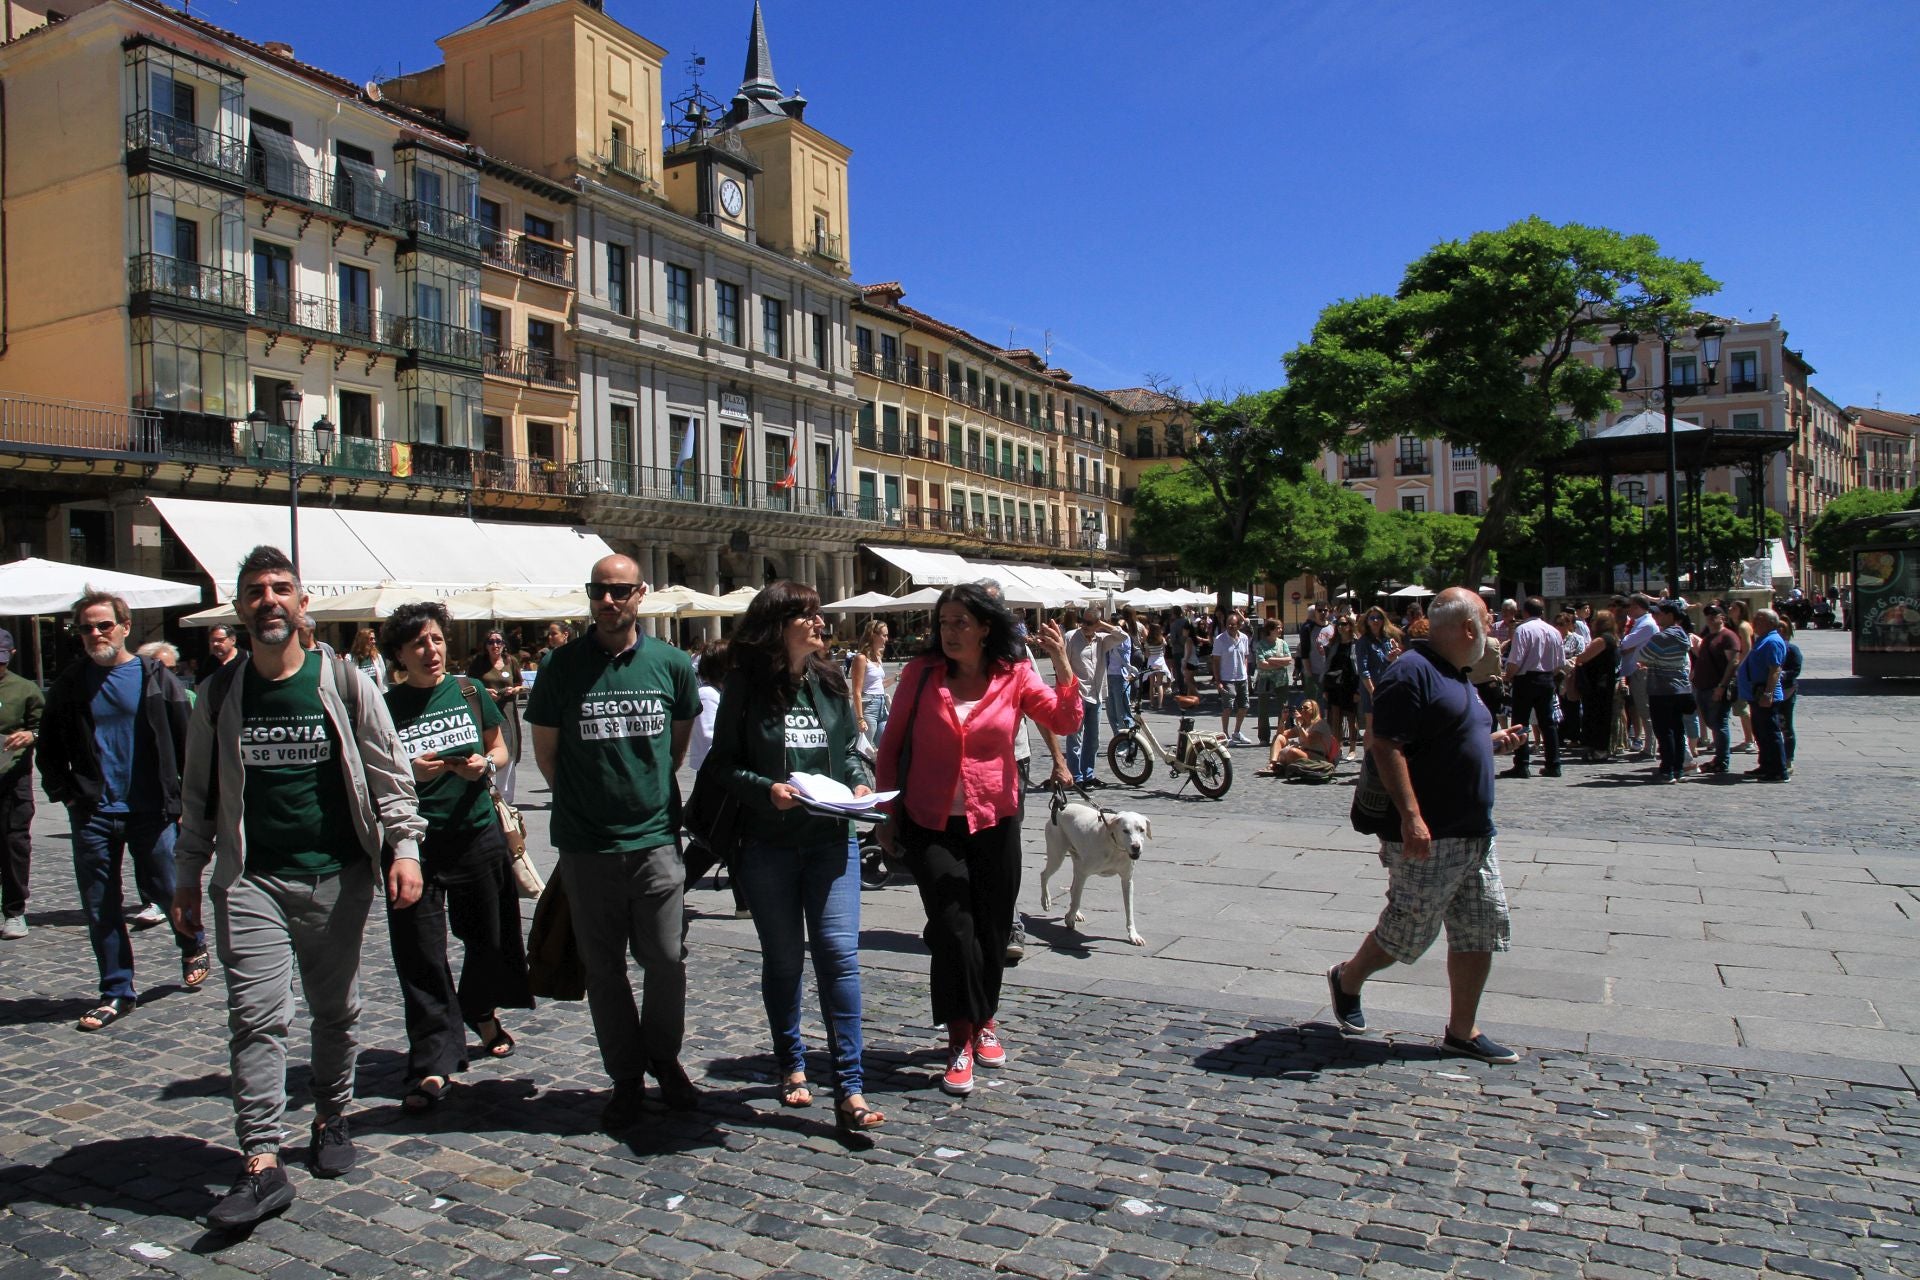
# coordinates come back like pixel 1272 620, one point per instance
pixel 1321 528
pixel 1829 540
pixel 1226 513
pixel 1477 347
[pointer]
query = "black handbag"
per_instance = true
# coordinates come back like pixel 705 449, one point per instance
pixel 712 814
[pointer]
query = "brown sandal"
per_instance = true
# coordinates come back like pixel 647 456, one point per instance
pixel 854 1120
pixel 194 969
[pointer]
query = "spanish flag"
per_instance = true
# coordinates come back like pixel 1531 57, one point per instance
pixel 740 456
pixel 792 477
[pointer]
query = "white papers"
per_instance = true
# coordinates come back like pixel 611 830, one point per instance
pixel 822 792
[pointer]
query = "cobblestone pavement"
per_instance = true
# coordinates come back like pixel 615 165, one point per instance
pixel 1150 1124
pixel 1126 1138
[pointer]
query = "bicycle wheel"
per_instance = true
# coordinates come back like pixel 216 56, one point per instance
pixel 1212 771
pixel 1130 759
pixel 875 870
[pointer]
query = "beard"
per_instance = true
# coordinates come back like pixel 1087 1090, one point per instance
pixel 104 652
pixel 273 625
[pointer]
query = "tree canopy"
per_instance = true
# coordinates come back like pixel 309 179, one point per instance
pixel 1477 347
pixel 1829 541
pixel 1231 510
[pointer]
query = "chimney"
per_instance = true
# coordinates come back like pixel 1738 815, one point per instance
pixel 280 49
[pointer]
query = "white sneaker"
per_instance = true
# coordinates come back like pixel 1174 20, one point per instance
pixel 13 929
pixel 147 917
pixel 1240 740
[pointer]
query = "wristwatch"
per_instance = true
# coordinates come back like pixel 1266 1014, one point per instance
pixel 492 767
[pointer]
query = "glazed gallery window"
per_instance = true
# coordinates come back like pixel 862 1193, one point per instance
pixel 820 353
pixel 617 278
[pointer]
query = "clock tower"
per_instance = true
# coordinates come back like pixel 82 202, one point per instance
pixel 760 171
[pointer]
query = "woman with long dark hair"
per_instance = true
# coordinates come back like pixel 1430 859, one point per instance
pixel 957 823
pixel 497 669
pixel 1596 670
pixel 450 731
pixel 785 709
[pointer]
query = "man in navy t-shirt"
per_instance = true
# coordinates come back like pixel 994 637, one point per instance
pixel 1433 743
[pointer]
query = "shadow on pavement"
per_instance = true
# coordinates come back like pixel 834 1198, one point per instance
pixel 1308 1049
pixel 1057 938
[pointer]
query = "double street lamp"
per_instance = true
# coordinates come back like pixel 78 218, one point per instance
pixel 290 401
pixel 1625 343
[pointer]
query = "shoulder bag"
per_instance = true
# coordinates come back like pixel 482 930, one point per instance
pixel 526 877
pixel 712 812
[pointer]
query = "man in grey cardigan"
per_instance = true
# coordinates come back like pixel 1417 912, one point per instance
pixel 295 781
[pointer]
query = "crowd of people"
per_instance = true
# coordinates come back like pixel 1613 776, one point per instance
pixel 291 786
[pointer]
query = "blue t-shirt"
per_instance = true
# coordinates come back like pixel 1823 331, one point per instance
pixel 1438 718
pixel 129 785
pixel 1768 651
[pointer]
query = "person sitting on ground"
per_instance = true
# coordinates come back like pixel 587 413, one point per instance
pixel 1310 739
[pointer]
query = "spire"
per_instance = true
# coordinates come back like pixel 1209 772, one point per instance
pixel 759 82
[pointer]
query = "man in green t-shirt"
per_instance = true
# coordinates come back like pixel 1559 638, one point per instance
pixel 294 782
pixel 611 715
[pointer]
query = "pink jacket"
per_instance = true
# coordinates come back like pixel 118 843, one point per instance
pixel 980 755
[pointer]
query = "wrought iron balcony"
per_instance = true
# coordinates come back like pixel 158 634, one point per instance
pixel 828 245
pixel 625 159
pixel 157 137
pixel 529 364
pixel 423 219
pixel 438 338
pixel 1420 466
pixel 528 256
pixel 194 284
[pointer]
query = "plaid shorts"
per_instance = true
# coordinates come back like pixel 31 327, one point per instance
pixel 1458 884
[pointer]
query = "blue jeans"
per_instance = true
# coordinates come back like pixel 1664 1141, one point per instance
pixel 1716 718
pixel 1119 713
pixel 875 708
pixel 1083 744
pixel 98 844
pixel 810 892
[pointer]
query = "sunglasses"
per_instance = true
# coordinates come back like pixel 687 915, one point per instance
pixel 496 640
pixel 96 628
pixel 611 590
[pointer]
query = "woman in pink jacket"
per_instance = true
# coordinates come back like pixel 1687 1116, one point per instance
pixel 957 823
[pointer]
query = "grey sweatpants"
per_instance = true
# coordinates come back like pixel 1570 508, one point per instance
pixel 264 926
pixel 622 902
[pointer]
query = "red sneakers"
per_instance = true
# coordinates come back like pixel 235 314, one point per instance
pixel 959 1077
pixel 987 1049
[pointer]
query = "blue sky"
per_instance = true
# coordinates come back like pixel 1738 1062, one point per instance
pixel 1178 189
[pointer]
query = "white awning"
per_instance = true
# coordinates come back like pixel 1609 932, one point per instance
pixel 928 568
pixel 34 586
pixel 343 551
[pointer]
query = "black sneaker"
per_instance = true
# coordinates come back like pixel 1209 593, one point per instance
pixel 678 1092
pixel 1017 943
pixel 1346 1009
pixel 254 1196
pixel 626 1106
pixel 333 1152
pixel 1483 1047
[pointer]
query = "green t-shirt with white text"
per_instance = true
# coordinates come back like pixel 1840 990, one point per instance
pixel 297 816
pixel 613 776
pixel 442 721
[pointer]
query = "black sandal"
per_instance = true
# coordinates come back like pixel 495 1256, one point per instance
pixel 796 1093
pixel 497 1045
pixel 852 1121
pixel 105 1014
pixel 425 1094
pixel 195 968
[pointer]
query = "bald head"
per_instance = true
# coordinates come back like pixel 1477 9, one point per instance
pixel 1457 625
pixel 615 568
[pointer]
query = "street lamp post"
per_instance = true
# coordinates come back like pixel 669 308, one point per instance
pixel 1635 492
pixel 1625 343
pixel 1090 529
pixel 290 401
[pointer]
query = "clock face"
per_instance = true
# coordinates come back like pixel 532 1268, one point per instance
pixel 732 199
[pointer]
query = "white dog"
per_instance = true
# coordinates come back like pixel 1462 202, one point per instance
pixel 1103 842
